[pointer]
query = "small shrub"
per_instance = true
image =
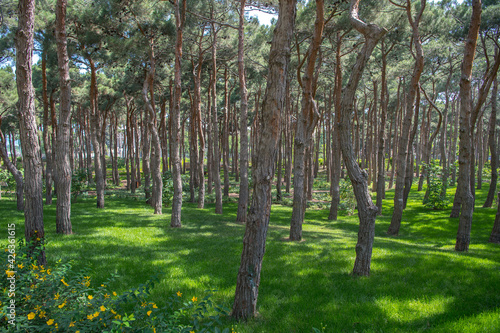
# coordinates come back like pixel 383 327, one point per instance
pixel 435 200
pixel 59 299
pixel 347 199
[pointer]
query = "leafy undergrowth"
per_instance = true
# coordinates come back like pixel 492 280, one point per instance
pixel 418 282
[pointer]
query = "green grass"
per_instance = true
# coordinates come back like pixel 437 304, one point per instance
pixel 418 282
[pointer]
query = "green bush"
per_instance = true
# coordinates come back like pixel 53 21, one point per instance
pixel 49 299
pixel 435 200
pixel 6 176
pixel 78 183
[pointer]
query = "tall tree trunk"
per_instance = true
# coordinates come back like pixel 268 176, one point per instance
pixel 336 150
pixel 215 128
pixel 367 211
pixel 46 142
pixel 468 118
pixel 306 123
pixel 175 115
pixel 241 215
pixel 254 241
pixel 405 132
pixel 157 188
pixel 465 143
pixel 493 146
pixel 63 211
pixel 381 136
pixel 95 132
pixel 33 210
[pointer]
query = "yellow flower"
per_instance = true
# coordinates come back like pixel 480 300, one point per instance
pixel 50 322
pixel 20 266
pixel 48 271
pixel 118 316
pixel 42 314
pixel 103 308
pixel 179 294
pixel 154 306
pixel 103 285
pixel 87 284
pixel 62 305
pixel 191 331
pixel 87 277
pixel 72 324
pixel 90 317
pixel 27 297
pixel 106 295
pixel 38 239
pixel 114 293
pixel 194 299
pixel 96 314
pixel 90 297
pixel 31 316
pixel 62 280
pixel 144 304
pixel 57 326
pixel 38 308
pixel 56 296
pixel 149 312
pixel 35 267
pixel 9 273
pixel 113 311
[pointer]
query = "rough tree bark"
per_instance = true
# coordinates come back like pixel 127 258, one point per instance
pixel 254 241
pixel 63 165
pixel 33 210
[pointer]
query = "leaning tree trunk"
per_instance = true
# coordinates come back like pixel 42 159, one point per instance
pixel 254 241
pixel 33 212
pixel 306 123
pixel 367 211
pixel 241 215
pixel 63 165
pixel 175 116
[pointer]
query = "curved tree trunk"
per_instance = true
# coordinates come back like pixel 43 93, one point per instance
pixel 367 211
pixel 306 123
pixel 254 241
pixel 404 139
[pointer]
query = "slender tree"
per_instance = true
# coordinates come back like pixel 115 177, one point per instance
pixel 254 240
pixel 63 165
pixel 367 211
pixel 175 116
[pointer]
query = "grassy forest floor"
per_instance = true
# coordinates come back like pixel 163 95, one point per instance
pixel 417 283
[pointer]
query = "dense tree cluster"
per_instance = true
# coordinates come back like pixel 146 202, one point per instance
pixel 201 88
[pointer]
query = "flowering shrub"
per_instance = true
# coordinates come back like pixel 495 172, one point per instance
pixel 57 299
